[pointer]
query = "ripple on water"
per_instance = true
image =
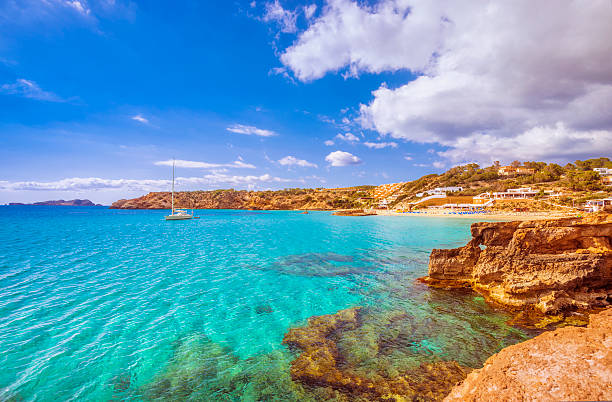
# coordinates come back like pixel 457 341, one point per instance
pixel 105 304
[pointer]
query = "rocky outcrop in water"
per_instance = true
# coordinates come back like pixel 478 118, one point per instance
pixel 567 364
pixel 313 199
pixel 552 266
pixel 325 361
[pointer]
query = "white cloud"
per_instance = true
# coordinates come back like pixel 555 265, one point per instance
pixel 79 6
pixel 485 72
pixel 438 164
pixel 95 183
pixel 250 130
pixel 380 145
pixel 329 143
pixel 29 89
pixel 349 137
pixel 538 143
pixel 388 36
pixel 408 158
pixel 309 11
pixel 286 19
pixel 341 158
pixel 140 118
pixel 293 161
pixel 239 164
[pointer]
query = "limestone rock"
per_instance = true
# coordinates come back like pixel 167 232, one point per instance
pixel 552 266
pixel 570 363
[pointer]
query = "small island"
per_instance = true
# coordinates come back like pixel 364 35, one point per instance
pixel 61 203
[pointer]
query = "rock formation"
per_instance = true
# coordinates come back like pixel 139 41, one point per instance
pixel 552 266
pixel 567 364
pixel 322 363
pixel 302 199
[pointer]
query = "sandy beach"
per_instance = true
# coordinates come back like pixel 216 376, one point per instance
pixel 494 215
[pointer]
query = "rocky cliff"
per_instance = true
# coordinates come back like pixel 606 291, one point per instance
pixel 552 266
pixel 324 199
pixel 567 364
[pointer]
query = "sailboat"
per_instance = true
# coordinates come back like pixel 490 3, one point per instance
pixel 177 214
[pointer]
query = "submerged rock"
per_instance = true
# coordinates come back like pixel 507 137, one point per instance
pixel 570 363
pixel 332 348
pixel 317 265
pixel 551 266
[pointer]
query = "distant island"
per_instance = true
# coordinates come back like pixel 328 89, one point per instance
pixel 63 203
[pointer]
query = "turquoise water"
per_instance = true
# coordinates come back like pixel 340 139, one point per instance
pixel 99 304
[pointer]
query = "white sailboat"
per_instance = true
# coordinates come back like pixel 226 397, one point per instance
pixel 177 214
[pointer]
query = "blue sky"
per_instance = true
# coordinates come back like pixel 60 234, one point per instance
pixel 96 95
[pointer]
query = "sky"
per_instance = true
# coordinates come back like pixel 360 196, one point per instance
pixel 97 97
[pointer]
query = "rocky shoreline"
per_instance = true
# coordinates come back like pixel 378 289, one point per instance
pixel 551 267
pixel 548 272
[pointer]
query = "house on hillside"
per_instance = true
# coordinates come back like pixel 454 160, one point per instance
pixel 598 205
pixel 603 171
pixel 605 174
pixel 522 193
pixel 440 191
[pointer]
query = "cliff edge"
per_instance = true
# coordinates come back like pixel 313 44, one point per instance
pixel 552 266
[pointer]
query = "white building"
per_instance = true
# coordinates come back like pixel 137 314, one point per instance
pixel 440 191
pixel 603 171
pixel 598 205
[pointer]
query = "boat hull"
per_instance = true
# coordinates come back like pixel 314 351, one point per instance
pixel 178 217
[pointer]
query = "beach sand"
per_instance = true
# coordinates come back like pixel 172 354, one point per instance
pixel 493 215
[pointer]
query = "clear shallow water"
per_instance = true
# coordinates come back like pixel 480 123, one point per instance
pixel 98 304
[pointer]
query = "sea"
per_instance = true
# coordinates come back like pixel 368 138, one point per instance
pixel 99 304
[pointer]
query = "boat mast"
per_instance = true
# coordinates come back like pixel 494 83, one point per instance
pixel 173 187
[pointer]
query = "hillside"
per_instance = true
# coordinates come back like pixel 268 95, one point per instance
pixel 576 182
pixel 321 199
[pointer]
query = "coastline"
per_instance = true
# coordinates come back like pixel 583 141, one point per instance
pixel 494 215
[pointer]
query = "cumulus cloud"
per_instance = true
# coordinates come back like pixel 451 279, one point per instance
pixel 387 36
pixel 380 145
pixel 286 19
pixel 29 89
pixel 341 158
pixel 250 130
pixel 485 72
pixel 538 143
pixel 348 137
pixel 205 165
pixel 329 143
pixel 293 161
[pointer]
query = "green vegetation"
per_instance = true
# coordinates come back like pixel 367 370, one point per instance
pixel 574 177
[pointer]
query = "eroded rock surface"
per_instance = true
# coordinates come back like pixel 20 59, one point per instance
pixel 553 266
pixel 570 363
pixel 324 361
